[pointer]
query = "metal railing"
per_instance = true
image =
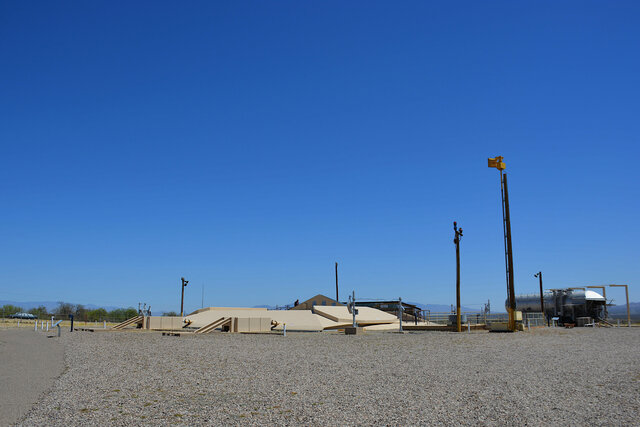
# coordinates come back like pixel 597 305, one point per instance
pixel 472 317
pixel 476 318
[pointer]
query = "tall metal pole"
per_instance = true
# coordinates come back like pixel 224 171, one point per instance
pixel 512 294
pixel 184 284
pixel 456 241
pixel 626 291
pixel 504 235
pixel 539 275
pixel 337 295
pixel 541 294
pixel 496 162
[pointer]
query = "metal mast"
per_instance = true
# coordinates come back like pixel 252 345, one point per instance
pixel 456 241
pixel 508 253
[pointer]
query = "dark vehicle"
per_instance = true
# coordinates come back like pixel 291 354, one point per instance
pixel 23 316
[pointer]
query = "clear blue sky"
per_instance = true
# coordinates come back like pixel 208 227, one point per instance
pixel 250 145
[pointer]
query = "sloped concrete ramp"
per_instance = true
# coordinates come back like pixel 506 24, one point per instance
pixel 365 316
pixel 319 319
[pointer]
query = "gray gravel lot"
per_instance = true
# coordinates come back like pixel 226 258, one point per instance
pixel 29 365
pixel 547 376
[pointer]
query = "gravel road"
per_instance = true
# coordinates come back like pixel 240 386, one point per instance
pixel 547 376
pixel 29 365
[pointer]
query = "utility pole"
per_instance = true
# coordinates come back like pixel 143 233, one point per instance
pixel 337 295
pixel 539 275
pixel 626 291
pixel 456 240
pixel 506 225
pixel 202 302
pixel 184 284
pixel 400 312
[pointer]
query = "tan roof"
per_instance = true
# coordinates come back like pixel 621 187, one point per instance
pixel 321 318
pixel 299 320
pixel 366 315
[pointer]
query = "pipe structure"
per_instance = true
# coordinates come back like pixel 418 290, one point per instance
pixel 626 291
pixel 604 294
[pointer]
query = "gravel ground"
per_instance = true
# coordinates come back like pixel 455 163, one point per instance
pixel 548 376
pixel 29 366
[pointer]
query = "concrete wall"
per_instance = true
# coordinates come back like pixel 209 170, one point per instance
pixel 164 323
pixel 253 324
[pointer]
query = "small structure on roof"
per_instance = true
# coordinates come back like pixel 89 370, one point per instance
pixel 411 312
pixel 320 300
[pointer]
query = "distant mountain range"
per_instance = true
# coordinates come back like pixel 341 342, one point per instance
pixel 620 311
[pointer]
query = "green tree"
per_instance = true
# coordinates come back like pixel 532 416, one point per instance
pixel 170 313
pixel 41 312
pixel 9 309
pixel 64 309
pixel 80 312
pixel 122 314
pixel 97 315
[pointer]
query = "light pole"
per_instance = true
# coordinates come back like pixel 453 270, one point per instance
pixel 184 284
pixel 337 296
pixel 539 275
pixel 626 291
pixel 456 241
pixel 496 162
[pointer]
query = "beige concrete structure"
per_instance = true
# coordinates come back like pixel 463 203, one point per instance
pixel 296 320
pixel 134 321
pixel 253 320
pixel 366 315
pixel 163 323
pixel 253 324
pixel 319 318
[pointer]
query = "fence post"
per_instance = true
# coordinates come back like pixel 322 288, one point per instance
pixel 284 329
pixel 35 326
pixel 468 326
pixel 105 325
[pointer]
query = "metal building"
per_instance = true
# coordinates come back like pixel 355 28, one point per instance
pixel 568 305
